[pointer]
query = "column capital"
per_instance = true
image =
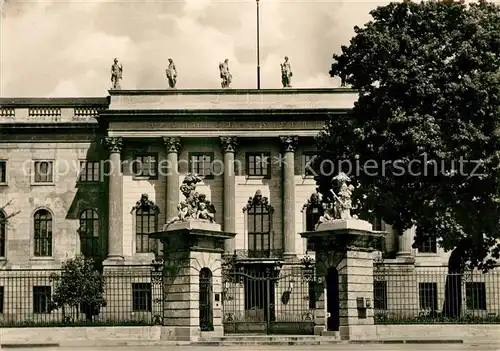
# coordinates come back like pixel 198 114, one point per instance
pixel 173 144
pixel 114 144
pixel 228 143
pixel 289 142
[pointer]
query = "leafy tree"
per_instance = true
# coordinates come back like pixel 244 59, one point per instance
pixel 428 76
pixel 80 287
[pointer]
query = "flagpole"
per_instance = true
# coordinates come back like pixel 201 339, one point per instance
pixel 258 47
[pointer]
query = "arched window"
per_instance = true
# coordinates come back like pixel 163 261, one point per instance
pixel 90 234
pixel 3 225
pixel 146 221
pixel 259 225
pixel 43 233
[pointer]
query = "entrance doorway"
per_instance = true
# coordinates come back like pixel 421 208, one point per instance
pixel 206 309
pixel 332 299
pixel 259 299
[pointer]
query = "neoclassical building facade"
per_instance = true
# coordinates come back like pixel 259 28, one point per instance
pixel 76 170
pixel 96 175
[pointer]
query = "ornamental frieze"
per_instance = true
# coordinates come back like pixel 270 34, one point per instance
pixel 218 125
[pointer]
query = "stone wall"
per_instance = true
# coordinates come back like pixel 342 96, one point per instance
pixel 65 198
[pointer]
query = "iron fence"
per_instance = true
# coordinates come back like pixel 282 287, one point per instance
pixel 131 295
pixel 423 295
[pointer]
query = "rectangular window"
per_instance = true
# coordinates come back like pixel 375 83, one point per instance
pixel 201 163
pixel 475 293
pixel 259 231
pixel 380 295
pixel 3 171
pixel 308 159
pixel 312 295
pixel 90 171
pixel 1 298
pixel 377 224
pixel 145 166
pixel 146 221
pixel 141 297
pixel 427 293
pixel 428 245
pixel 41 299
pixel 313 215
pixel 258 164
pixel 44 172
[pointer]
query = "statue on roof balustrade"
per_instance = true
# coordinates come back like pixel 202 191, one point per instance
pixel 225 75
pixel 171 73
pixel 116 74
pixel 286 73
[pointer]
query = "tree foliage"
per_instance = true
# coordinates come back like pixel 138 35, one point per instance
pixel 80 287
pixel 428 76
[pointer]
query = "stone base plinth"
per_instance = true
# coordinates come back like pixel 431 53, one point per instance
pixel 351 224
pixel 193 224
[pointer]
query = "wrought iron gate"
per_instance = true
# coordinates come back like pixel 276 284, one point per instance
pixel 266 299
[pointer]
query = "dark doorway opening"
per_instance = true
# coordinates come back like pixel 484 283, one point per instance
pixel 332 299
pixel 206 308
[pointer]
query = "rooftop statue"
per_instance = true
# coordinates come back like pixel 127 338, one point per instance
pixel 195 205
pixel 343 202
pixel 116 74
pixel 171 72
pixel 286 73
pixel 225 75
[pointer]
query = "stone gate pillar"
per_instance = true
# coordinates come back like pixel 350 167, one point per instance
pixel 345 252
pixel 192 242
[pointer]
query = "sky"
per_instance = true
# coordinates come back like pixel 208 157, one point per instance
pixel 65 48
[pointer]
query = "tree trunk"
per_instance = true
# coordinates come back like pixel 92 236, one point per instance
pixel 453 291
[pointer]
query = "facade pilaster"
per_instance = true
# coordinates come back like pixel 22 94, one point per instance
pixel 228 146
pixel 115 198
pixel 289 144
pixel 172 148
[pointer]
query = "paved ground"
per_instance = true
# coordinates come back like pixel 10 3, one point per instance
pixel 340 347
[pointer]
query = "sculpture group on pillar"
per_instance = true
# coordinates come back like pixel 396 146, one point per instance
pixel 195 205
pixel 116 74
pixel 342 206
pixel 225 74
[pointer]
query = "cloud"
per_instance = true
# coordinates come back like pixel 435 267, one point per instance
pixel 66 47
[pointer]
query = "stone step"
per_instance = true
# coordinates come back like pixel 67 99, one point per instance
pixel 247 340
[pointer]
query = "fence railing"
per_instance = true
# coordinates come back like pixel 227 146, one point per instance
pixel 133 295
pixel 433 295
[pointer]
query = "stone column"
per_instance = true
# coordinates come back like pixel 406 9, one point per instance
pixel 290 144
pixel 405 242
pixel 228 145
pixel 173 147
pixel 115 199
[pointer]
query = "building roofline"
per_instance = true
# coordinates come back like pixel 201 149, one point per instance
pixel 59 127
pixel 56 102
pixel 287 91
